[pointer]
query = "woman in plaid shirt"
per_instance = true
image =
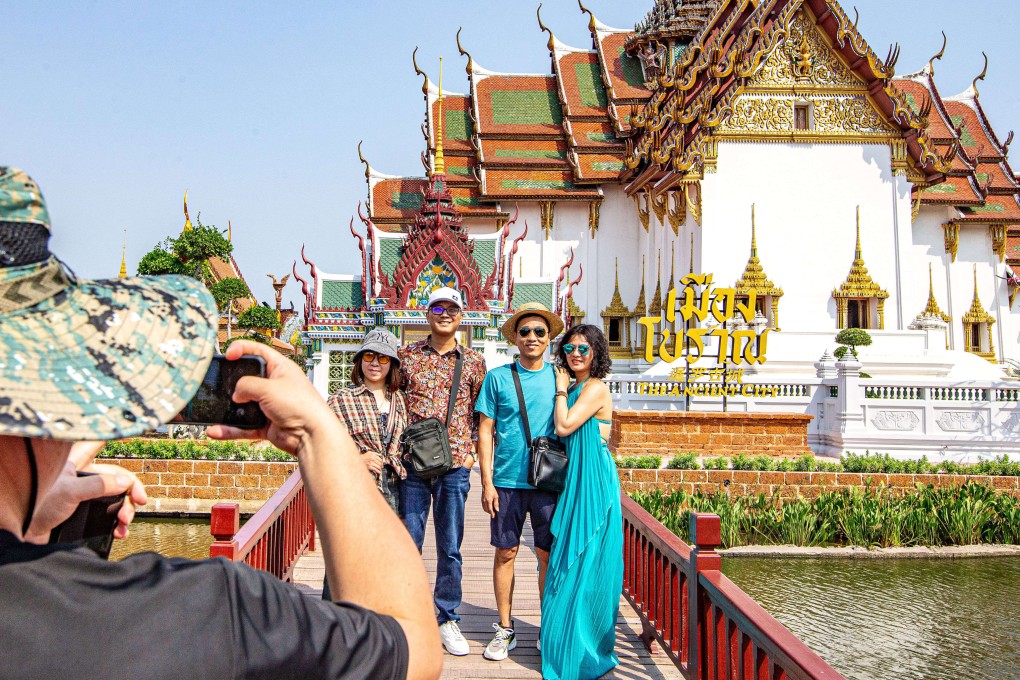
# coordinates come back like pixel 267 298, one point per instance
pixel 375 412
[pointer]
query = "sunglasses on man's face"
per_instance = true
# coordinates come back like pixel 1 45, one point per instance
pixel 369 357
pixel 527 330
pixel 439 310
pixel 583 349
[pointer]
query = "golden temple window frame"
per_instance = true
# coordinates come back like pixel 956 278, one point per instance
pixel 755 279
pixel 859 286
pixel 616 322
pixel 977 328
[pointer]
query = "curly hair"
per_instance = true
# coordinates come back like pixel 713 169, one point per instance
pixel 601 364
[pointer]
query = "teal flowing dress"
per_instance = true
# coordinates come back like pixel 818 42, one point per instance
pixel 585 576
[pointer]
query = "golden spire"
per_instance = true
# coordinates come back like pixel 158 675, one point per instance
pixel 932 308
pixel 640 306
pixel 692 253
pixel 754 277
pixel 123 259
pixel 440 161
pixel 230 231
pixel 857 249
pixel 187 220
pixel 858 283
pixel 672 256
pixel 976 310
pixel 656 308
pixel 616 306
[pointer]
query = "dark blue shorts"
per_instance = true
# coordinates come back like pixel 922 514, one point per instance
pixel 514 505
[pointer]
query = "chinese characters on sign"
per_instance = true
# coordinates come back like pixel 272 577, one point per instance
pixel 694 303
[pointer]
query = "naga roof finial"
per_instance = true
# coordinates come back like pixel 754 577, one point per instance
pixel 938 57
pixel 552 39
pixel 414 61
pixel 591 23
pixel 981 76
pixel 464 53
pixel 368 168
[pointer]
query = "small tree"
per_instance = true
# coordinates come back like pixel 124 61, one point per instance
pixel 259 318
pixel 851 339
pixel 187 254
pixel 225 291
pixel 161 260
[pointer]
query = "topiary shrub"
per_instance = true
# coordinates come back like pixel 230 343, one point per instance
pixel 851 339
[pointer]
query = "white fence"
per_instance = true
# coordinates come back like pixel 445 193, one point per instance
pixel 963 421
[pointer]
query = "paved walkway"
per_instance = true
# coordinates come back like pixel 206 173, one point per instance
pixel 478 610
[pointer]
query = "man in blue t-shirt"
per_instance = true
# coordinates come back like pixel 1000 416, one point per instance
pixel 506 495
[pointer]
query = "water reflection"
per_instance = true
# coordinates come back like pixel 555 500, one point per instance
pixel 887 618
pixel 169 537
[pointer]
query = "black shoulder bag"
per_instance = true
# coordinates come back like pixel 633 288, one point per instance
pixel 427 442
pixel 547 463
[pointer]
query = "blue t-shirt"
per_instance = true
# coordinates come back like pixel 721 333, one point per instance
pixel 498 400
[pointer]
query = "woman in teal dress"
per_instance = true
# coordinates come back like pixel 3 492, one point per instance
pixel 585 575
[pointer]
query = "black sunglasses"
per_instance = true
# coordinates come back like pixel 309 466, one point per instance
pixel 439 310
pixel 527 330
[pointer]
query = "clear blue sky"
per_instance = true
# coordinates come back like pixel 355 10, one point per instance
pixel 257 108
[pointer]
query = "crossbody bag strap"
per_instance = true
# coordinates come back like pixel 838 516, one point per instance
pixel 520 403
pixel 390 423
pixel 456 386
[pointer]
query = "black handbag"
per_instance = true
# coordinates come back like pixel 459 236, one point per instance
pixel 426 443
pixel 547 456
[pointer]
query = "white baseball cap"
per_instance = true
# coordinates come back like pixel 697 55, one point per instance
pixel 446 294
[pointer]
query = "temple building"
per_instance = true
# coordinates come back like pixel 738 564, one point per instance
pixel 762 141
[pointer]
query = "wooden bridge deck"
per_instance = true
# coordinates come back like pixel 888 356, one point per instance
pixel 478 611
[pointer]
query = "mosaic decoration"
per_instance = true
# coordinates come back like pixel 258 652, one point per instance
pixel 435 275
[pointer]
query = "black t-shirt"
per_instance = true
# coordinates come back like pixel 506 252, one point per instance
pixel 65 613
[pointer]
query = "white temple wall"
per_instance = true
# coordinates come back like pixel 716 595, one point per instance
pixel 928 247
pixel 806 198
pixel 975 254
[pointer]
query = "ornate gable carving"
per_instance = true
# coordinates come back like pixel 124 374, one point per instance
pixel 805 60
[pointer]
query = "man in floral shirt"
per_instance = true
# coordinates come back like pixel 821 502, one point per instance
pixel 428 368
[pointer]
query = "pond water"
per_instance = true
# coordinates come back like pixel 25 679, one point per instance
pixel 895 618
pixel 171 537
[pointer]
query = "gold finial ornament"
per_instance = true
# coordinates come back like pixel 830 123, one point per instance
pixel 440 162
pixel 938 57
pixel 932 309
pixel 187 219
pixel 123 259
pixel 230 231
pixel 981 76
pixel 977 317
pixel 656 307
pixel 640 308
pixel 754 280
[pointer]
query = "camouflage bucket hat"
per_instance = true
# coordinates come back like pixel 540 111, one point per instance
pixel 90 359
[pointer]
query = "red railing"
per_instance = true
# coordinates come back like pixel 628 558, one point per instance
pixel 708 627
pixel 274 538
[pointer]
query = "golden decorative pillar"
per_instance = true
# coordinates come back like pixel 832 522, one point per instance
pixel 678 213
pixel 546 210
pixel 643 213
pixel 952 238
pixel 998 232
pixel 659 204
pixel 692 193
pixel 593 216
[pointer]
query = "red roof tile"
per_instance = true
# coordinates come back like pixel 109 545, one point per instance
pixel 535 184
pixel 603 167
pixel 953 191
pixel 518 105
pixel 581 79
pixel 524 152
pixel 595 135
pixel 625 76
pixel 397 199
pixel 995 209
pixel 457 126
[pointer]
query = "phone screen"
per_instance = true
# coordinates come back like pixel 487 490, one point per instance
pixel 212 404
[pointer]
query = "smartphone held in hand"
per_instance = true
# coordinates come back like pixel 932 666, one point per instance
pixel 213 405
pixel 91 525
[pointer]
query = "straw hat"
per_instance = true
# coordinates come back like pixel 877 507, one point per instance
pixel 90 359
pixel 509 328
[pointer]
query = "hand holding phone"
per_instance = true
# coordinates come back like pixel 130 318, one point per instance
pixel 92 524
pixel 213 403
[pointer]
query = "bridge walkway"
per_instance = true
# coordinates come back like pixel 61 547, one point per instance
pixel 478 610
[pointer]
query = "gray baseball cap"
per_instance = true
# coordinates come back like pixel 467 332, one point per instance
pixel 380 341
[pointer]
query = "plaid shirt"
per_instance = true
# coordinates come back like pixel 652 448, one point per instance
pixel 357 409
pixel 428 384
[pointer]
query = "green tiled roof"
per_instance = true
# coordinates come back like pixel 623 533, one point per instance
pixel 456 124
pixel 608 166
pixel 526 107
pixel 532 292
pixel 406 200
pixel 485 256
pixel 631 69
pixel 529 153
pixel 389 255
pixel 459 170
pixel 589 84
pixel 912 102
pixel 346 294
pixel 605 137
pixel 988 208
pixel 536 184
pixel 944 188
pixel 965 135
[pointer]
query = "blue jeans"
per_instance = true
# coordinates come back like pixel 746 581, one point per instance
pixel 447 495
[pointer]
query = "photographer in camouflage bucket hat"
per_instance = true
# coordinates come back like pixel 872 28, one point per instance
pixel 99 360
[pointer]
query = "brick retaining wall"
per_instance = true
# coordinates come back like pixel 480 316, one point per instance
pixel 793 484
pixel 196 485
pixel 709 434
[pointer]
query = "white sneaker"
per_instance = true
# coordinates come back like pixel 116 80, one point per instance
pixel 504 641
pixel 452 638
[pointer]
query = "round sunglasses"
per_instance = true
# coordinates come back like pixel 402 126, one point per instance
pixel 583 349
pixel 369 357
pixel 528 330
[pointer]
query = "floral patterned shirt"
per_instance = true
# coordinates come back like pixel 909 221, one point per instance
pixel 357 409
pixel 428 383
